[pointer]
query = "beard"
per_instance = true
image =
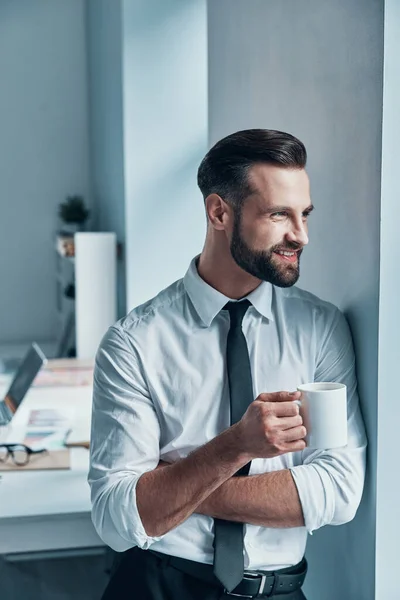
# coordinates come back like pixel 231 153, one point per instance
pixel 264 264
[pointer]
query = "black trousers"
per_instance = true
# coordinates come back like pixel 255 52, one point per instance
pixel 141 575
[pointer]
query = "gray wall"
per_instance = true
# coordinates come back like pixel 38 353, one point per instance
pixel 314 68
pixel 388 484
pixel 43 153
pixel 105 119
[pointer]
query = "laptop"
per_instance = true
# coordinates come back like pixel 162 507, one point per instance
pixel 23 379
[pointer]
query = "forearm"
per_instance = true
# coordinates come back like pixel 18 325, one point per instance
pixel 268 500
pixel 168 496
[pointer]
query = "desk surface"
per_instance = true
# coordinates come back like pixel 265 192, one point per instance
pixel 45 496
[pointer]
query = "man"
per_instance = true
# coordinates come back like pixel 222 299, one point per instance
pixel 200 472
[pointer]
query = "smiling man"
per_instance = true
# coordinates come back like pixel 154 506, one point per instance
pixel 200 474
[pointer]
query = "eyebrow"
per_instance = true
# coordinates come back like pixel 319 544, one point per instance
pixel 274 209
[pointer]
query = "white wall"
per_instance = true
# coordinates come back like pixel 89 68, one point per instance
pixel 43 153
pixel 104 25
pixel 314 68
pixel 165 138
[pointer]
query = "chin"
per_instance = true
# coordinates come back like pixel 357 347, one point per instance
pixel 275 278
pixel 284 282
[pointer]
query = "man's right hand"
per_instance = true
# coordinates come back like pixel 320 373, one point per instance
pixel 271 426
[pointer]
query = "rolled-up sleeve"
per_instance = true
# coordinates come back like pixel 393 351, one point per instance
pixel 124 442
pixel 330 482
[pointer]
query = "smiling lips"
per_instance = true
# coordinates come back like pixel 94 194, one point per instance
pixel 287 255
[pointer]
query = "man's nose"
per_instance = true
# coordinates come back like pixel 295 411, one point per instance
pixel 298 234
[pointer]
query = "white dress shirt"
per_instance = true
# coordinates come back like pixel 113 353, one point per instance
pixel 160 392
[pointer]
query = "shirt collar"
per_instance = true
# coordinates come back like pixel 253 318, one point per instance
pixel 208 301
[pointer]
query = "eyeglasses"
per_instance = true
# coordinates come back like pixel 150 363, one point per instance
pixel 19 453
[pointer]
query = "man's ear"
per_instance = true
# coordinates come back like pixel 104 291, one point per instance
pixel 219 213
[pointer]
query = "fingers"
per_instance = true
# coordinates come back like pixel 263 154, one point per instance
pixel 274 409
pixel 295 446
pixel 285 409
pixel 294 434
pixel 289 422
pixel 279 396
pixel 290 440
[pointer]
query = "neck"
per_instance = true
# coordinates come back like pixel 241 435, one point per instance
pixel 220 271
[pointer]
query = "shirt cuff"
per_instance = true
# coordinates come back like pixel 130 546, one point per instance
pixel 117 520
pixel 316 494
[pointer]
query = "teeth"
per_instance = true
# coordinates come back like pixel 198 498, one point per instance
pixel 286 253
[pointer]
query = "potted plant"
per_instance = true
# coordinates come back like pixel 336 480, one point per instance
pixel 73 214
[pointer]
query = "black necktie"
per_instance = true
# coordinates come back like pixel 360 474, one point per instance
pixel 228 535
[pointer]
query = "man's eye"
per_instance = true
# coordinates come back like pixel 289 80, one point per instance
pixel 286 214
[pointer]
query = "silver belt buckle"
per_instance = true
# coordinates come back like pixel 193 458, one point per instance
pixel 262 584
pixel 251 576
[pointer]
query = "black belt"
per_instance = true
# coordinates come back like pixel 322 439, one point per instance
pixel 254 584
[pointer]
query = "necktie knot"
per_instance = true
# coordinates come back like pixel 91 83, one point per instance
pixel 237 310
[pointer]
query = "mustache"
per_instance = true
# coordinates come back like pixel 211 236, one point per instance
pixel 290 248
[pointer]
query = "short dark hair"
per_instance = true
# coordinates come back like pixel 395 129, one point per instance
pixel 224 169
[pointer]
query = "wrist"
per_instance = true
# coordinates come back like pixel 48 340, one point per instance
pixel 237 443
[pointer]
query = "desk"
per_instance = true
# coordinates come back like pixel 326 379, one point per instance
pixel 49 511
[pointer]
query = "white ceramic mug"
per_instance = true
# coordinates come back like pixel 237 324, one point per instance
pixel 323 406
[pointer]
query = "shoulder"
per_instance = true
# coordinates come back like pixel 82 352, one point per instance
pixel 137 330
pixel 160 308
pixel 305 305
